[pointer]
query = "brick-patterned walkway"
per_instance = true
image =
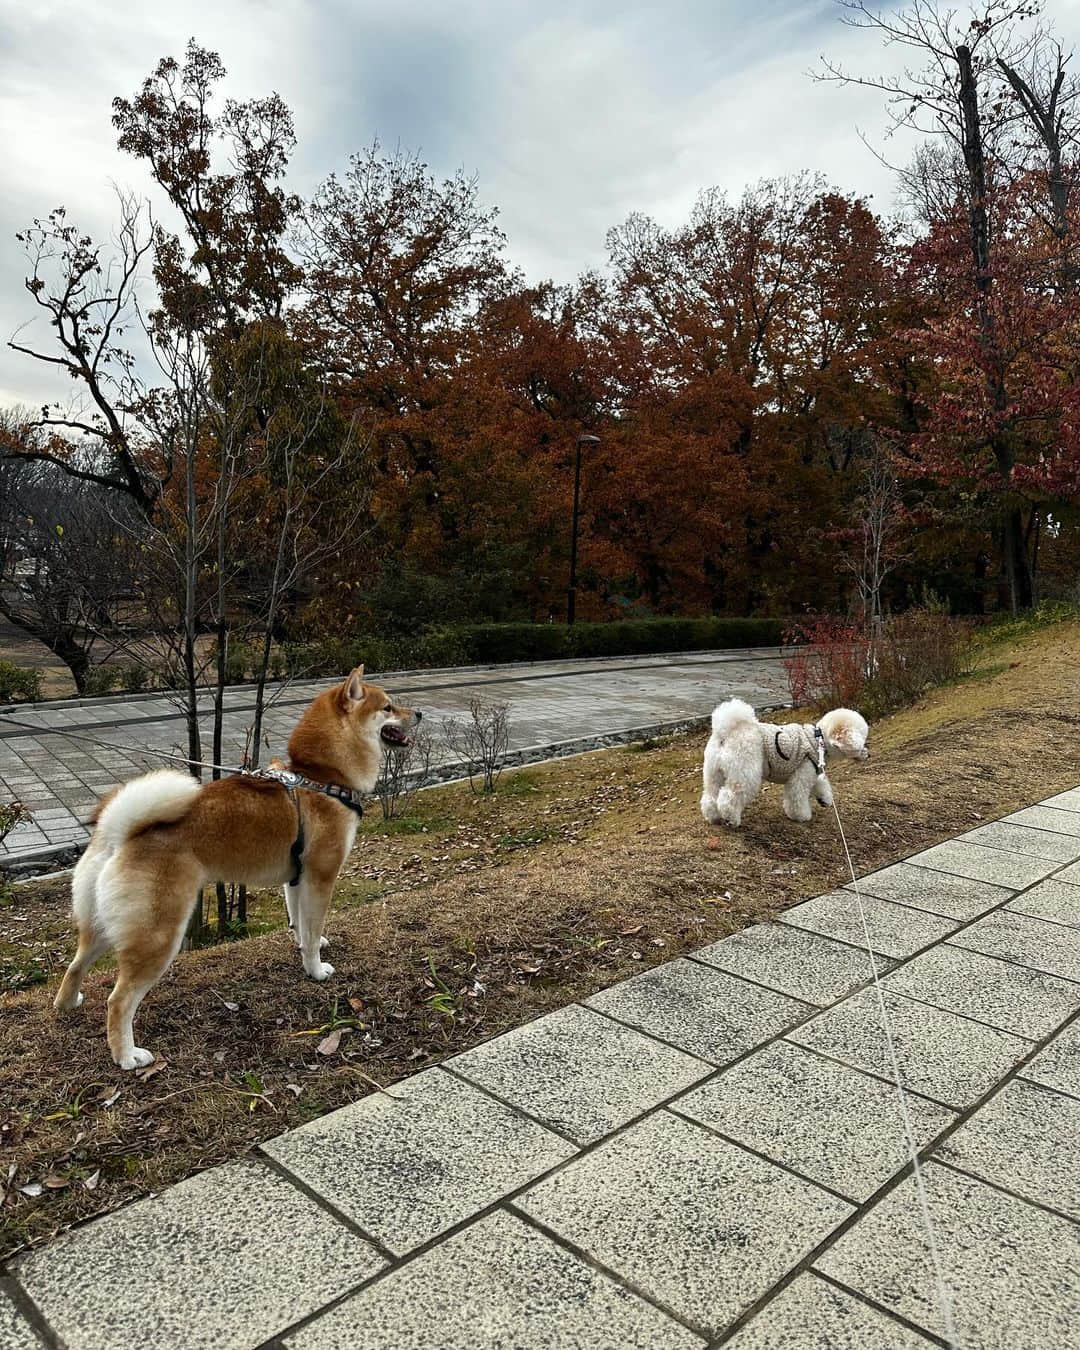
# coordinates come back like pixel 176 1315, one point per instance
pixel 709 1153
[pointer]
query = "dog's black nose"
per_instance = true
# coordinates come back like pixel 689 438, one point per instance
pixel 419 716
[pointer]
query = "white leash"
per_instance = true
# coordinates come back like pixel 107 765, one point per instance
pixel 944 1294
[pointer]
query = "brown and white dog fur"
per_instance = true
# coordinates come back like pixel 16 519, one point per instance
pixel 161 837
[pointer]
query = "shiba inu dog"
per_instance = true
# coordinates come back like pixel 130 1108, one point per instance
pixel 163 836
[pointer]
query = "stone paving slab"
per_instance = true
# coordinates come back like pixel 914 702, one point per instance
pixel 895 930
pixel 1064 801
pixel 1036 843
pixel 579 1072
pixel 943 1056
pixel 812 1314
pixel 995 865
pixel 16 1333
pixel 1046 818
pixel 939 892
pixel 498 1283
pixel 1055 900
pixel 1012 1267
pixel 1004 995
pixel 409 1166
pixel 705 1232
pixel 834 1125
pixel 1071 875
pixel 793 961
pixel 1031 942
pixel 134 1277
pixel 1026 1139
pixel 1058 1065
pixel 706 1012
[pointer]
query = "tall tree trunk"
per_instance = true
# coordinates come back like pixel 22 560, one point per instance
pixel 191 673
pixel 1014 559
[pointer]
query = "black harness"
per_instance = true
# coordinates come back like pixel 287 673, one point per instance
pixel 290 781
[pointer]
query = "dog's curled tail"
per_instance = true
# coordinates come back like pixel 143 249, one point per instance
pixel 157 798
pixel 729 715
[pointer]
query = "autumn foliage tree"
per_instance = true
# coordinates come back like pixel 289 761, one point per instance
pixel 367 365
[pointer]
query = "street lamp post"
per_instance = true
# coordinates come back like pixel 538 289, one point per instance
pixel 571 594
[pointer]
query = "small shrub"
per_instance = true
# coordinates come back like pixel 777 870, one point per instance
pixel 835 664
pixel 134 678
pixel 11 814
pixel 19 683
pixel 404 773
pixel 100 680
pixel 237 662
pixel 828 667
pixel 481 742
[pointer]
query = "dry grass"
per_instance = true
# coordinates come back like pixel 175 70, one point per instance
pixel 473 917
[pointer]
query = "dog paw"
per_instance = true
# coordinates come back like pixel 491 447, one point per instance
pixel 800 817
pixel 64 1008
pixel 138 1059
pixel 321 970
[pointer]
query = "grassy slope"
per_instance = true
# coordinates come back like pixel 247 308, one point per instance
pixel 473 917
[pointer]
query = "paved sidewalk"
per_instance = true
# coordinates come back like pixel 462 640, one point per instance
pixel 554 707
pixel 707 1154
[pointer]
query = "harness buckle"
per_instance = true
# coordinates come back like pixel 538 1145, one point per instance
pixel 819 746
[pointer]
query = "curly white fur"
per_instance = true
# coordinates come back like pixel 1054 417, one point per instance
pixel 156 798
pixel 742 753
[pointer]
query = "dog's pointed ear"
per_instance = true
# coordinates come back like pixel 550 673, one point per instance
pixel 353 691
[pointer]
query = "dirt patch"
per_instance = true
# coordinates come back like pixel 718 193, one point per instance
pixel 472 917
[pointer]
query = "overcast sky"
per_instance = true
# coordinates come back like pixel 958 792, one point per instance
pixel 572 113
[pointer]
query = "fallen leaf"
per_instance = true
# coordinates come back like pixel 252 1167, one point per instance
pixel 712 842
pixel 151 1069
pixel 629 932
pixel 329 1044
pixel 109 1096
pixel 32 1189
pixel 294 1088
pixel 55 1182
pixel 92 1180
pixel 356 1004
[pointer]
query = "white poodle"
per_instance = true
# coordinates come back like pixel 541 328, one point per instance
pixel 742 752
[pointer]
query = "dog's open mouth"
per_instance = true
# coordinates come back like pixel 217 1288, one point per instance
pixel 395 736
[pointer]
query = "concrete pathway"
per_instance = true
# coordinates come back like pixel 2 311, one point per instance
pixel 555 708
pixel 709 1153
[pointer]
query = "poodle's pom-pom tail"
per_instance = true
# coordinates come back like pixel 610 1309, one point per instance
pixel 729 715
pixel 157 798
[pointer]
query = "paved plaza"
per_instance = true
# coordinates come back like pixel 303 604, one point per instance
pixel 709 1153
pixel 555 708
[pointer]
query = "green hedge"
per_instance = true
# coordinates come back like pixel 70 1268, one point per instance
pixel 498 642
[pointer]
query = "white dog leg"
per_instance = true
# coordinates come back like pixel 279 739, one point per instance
pixel 797 792
pixel 292 908
pixel 823 791
pixel 312 904
pixel 713 780
pixel 729 807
